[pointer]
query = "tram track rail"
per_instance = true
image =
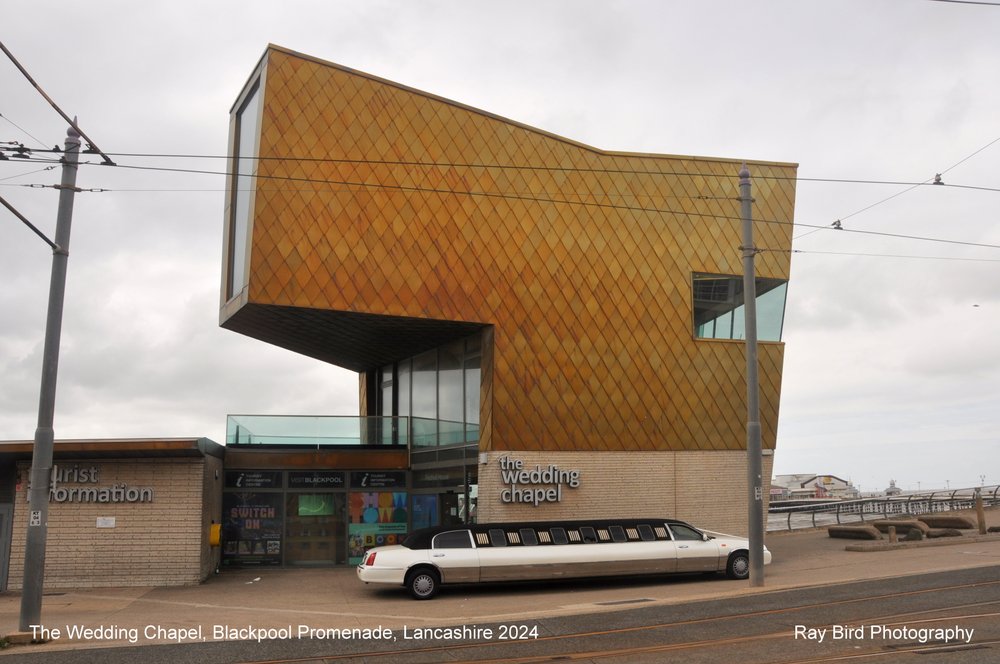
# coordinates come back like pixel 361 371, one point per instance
pixel 454 652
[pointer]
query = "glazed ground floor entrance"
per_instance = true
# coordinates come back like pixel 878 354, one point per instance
pixel 300 518
pixel 330 517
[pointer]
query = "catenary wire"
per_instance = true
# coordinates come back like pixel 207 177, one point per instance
pixel 866 255
pixel 25 131
pixel 970 2
pixel 72 123
pixel 904 191
pixel 21 175
pixel 548 200
pixel 526 167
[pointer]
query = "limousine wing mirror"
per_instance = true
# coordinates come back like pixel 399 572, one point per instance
pixel 705 537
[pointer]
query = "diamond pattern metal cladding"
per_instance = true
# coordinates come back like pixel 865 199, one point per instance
pixel 378 199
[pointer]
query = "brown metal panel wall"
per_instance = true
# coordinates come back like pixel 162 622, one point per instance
pixel 379 199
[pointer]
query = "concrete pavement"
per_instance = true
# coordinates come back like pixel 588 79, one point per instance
pixel 241 604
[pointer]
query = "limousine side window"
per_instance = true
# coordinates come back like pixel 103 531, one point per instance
pixel 455 539
pixel 618 534
pixel 528 537
pixel 559 536
pixel 589 536
pixel 497 537
pixel 684 533
pixel 646 533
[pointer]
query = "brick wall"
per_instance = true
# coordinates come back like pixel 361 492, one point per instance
pixel 155 543
pixel 707 488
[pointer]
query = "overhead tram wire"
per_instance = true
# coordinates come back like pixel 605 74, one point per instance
pixel 970 2
pixel 500 195
pixel 350 186
pixel 21 175
pixel 550 200
pixel 935 180
pixel 23 130
pixel 864 255
pixel 91 146
pixel 526 167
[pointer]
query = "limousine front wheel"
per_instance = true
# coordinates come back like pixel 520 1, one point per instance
pixel 423 583
pixel 738 566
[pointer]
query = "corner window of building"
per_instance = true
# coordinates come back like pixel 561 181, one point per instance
pixel 439 392
pixel 718 307
pixel 244 166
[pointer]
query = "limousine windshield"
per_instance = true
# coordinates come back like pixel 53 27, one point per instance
pixel 475 553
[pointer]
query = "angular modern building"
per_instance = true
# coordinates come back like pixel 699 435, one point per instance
pixel 541 328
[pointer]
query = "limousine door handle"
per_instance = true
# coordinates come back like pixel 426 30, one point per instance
pixel 682 546
pixel 437 555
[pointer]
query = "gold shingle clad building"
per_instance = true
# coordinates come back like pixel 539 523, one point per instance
pixel 523 308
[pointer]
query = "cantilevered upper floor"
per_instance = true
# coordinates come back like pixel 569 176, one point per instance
pixel 368 222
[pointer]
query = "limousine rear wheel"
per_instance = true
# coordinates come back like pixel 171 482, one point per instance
pixel 738 566
pixel 423 583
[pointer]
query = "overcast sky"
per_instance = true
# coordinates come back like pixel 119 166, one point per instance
pixel 892 365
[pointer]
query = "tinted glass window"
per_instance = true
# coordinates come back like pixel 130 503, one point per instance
pixel 424 380
pixel 456 539
pixel 646 533
pixel 528 537
pixel 618 533
pixel 473 376
pixel 403 388
pixel 719 311
pixel 684 533
pixel 559 536
pixel 247 135
pixel 450 398
pixel 588 534
pixel 497 537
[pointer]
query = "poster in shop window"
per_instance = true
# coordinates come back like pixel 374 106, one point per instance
pixel 378 518
pixel 251 528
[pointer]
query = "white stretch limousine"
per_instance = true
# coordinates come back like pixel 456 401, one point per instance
pixel 490 552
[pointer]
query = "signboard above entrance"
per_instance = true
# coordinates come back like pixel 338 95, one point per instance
pixel 379 480
pixel 253 479
pixel 318 479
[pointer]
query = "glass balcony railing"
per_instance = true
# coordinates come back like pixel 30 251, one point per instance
pixel 440 433
pixel 339 431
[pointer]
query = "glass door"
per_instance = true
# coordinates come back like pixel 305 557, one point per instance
pixel 314 529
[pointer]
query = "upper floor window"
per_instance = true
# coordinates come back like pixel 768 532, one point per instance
pixel 718 307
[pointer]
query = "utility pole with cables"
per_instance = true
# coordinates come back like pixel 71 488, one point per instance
pixel 755 484
pixel 41 457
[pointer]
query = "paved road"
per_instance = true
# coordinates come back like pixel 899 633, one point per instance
pixel 781 627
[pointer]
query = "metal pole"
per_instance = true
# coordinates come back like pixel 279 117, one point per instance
pixel 755 487
pixel 41 458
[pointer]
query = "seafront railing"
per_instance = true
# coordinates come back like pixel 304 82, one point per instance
pixel 879 507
